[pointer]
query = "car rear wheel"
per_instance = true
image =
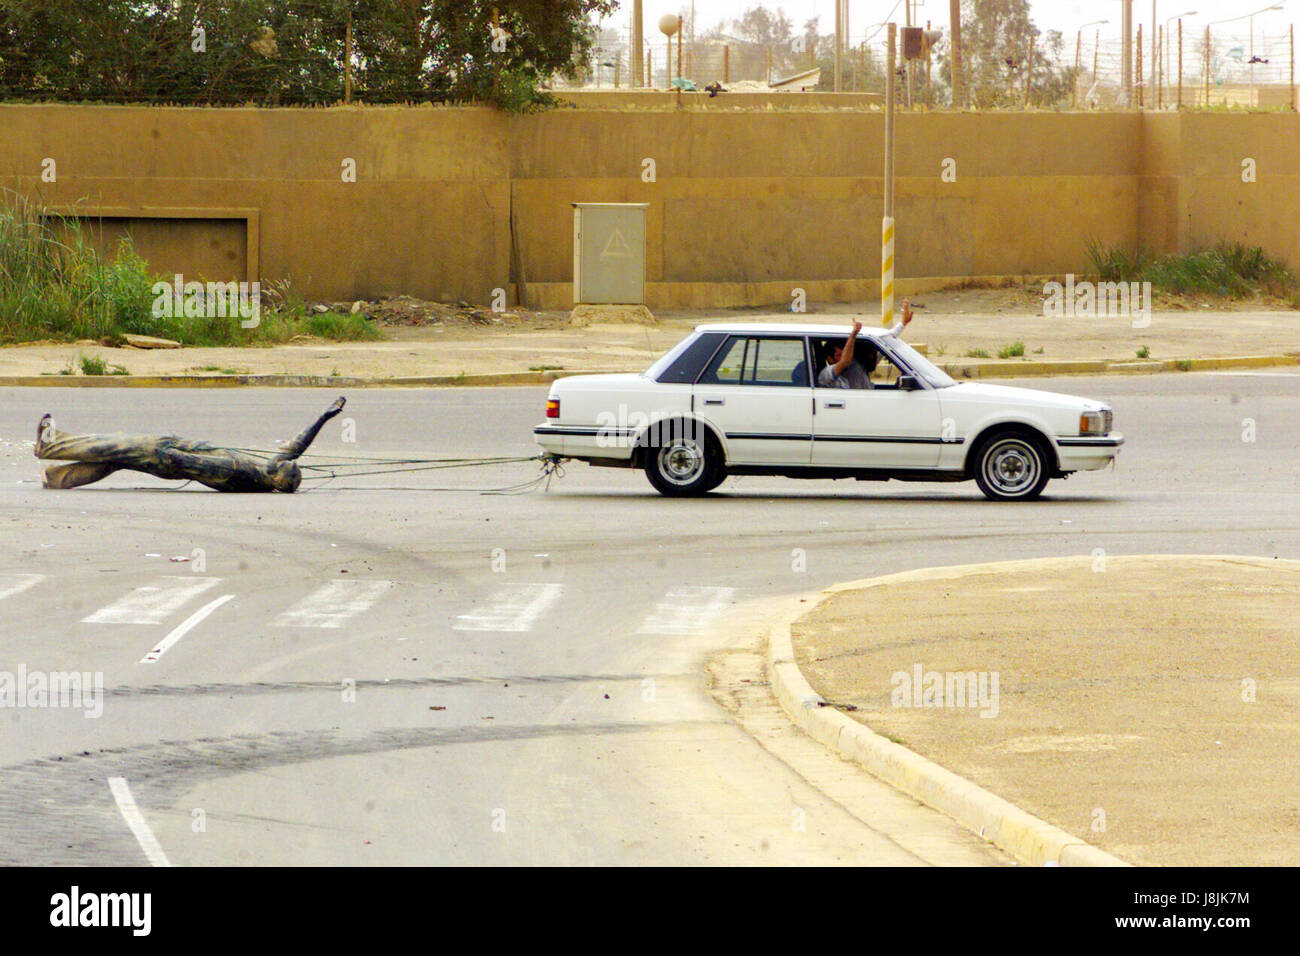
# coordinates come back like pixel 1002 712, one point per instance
pixel 685 465
pixel 1011 467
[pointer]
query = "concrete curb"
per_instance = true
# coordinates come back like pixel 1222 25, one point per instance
pixel 1006 369
pixel 282 381
pixel 973 370
pixel 1030 840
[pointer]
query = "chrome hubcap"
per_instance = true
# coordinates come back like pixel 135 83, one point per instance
pixel 681 461
pixel 1011 466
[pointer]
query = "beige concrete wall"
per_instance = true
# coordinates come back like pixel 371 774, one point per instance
pixel 427 215
pixel 745 206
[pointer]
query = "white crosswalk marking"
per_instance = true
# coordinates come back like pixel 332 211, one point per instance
pixel 514 608
pixel 333 604
pixel 11 584
pixel 153 603
pixel 687 609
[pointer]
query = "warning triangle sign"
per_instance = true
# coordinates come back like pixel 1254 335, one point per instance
pixel 616 247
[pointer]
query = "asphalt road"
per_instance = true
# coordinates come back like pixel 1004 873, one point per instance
pixel 391 672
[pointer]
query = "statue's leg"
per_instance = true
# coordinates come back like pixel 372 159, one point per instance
pixel 77 473
pixel 126 451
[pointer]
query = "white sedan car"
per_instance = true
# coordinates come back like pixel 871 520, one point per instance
pixel 739 399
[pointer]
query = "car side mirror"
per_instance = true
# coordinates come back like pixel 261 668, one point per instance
pixel 908 383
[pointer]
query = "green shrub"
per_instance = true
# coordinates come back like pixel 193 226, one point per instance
pixel 1229 269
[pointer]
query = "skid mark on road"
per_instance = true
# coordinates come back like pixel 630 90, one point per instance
pixel 11 584
pixel 514 608
pixel 385 684
pixel 52 809
pixel 334 604
pixel 687 609
pixel 153 603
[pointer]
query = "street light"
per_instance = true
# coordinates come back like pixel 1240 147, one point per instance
pixel 1178 16
pixel 1244 16
pixel 1078 51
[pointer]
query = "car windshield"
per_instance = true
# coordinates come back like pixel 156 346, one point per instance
pixel 921 366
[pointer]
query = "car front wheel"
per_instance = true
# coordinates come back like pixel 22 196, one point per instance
pixel 1011 467
pixel 684 466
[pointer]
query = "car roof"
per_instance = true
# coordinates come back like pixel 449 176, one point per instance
pixel 790 328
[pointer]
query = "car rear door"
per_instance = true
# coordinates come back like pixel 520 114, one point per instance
pixel 757 393
pixel 882 427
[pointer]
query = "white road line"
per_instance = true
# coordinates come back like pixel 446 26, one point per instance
pixel 514 608
pixel 1259 374
pixel 184 628
pixel 333 604
pixel 11 584
pixel 153 603
pixel 153 850
pixel 687 609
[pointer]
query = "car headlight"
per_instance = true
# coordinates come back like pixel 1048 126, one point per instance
pixel 1096 423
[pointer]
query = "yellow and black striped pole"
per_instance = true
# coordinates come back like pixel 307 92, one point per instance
pixel 887 223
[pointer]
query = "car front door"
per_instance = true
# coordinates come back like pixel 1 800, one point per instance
pixel 758 393
pixel 882 427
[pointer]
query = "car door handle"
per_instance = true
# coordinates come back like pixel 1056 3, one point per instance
pixel 715 401
pixel 834 405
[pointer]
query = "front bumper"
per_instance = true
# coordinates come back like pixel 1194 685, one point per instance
pixel 1088 453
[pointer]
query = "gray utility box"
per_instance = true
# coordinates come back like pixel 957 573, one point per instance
pixel 609 253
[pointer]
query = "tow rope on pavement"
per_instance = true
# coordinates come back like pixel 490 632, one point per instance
pixel 352 467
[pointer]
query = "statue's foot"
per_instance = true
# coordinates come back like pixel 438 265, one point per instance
pixel 44 430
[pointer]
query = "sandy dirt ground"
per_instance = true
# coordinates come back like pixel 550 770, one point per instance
pixel 955 326
pixel 1148 705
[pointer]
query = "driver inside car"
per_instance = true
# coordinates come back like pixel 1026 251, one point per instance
pixel 842 371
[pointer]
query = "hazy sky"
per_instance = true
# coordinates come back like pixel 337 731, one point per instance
pixel 1063 15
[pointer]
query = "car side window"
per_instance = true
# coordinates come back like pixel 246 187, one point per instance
pixel 727 365
pixel 775 361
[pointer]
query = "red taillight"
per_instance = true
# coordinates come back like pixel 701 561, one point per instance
pixel 552 408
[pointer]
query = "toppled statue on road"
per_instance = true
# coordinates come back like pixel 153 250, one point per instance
pixel 93 457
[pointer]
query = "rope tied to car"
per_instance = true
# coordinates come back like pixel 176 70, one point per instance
pixel 345 466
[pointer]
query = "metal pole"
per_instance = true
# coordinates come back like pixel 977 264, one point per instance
pixel 1138 71
pixel 1293 102
pixel 839 41
pixel 958 86
pixel 1180 62
pixel 887 223
pixel 1155 54
pixel 1078 51
pixel 1159 71
pixel 691 71
pixel 1207 66
pixel 1029 72
pixel 638 43
pixel 726 64
pixel 928 85
pixel 1126 56
pixel 1096 52
pixel 680 31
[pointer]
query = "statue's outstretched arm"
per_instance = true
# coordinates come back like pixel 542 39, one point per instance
pixel 303 441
